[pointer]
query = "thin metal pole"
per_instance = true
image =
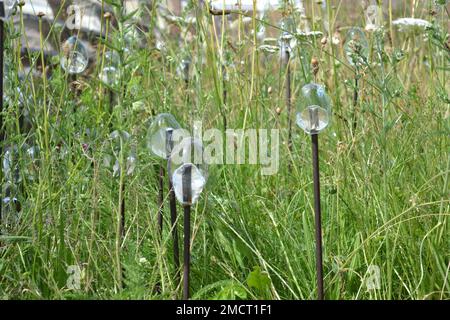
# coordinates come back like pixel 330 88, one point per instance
pixel 318 213
pixel 173 217
pixel 288 98
pixel 224 96
pixel 355 102
pixel 122 211
pixel 161 198
pixel 173 207
pixel 187 197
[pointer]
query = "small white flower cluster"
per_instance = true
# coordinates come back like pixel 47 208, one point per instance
pixel 411 25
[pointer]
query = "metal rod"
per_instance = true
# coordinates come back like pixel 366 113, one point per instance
pixel 122 210
pixel 355 103
pixel 318 213
pixel 187 198
pixel 111 107
pixel 288 98
pixel 161 198
pixel 173 207
pixel 224 95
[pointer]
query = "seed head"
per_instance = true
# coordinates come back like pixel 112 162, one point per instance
pixel 315 66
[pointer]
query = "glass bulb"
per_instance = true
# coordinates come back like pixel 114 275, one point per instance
pixel 187 163
pixel 74 59
pixel 119 147
pixel 198 182
pixel 157 134
pixel 184 68
pixel 110 76
pixel 314 109
pixel 287 41
pixel 10 164
pixel 110 73
pixel 133 37
pixel 356 47
pixel 9 6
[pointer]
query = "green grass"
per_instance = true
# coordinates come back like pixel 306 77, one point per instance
pixel 385 194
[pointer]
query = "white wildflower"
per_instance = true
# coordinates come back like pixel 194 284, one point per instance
pixel 411 25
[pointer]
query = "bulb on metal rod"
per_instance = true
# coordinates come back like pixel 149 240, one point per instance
pixel 314 118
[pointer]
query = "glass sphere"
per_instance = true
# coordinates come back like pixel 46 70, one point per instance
pixel 133 37
pixel 20 162
pixel 157 134
pixel 10 7
pixel 11 213
pixel 314 109
pixel 112 58
pixel 356 47
pixel 110 76
pixel 287 40
pixel 187 163
pixel 184 68
pixel 74 59
pixel 119 147
pixel 110 73
pixel 10 165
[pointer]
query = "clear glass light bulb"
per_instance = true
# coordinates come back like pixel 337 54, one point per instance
pixel 112 58
pixel 157 134
pixel 110 76
pixel 314 109
pixel 10 165
pixel 119 147
pixel 187 157
pixel 198 182
pixel 110 73
pixel 133 37
pixel 74 59
pixel 184 69
pixel 356 47
pixel 287 40
pixel 373 15
pixel 10 7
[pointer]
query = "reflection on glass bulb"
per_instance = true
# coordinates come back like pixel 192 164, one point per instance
pixel 313 119
pixel 186 164
pixel 314 109
pixel 157 134
pixel 74 59
pixel 197 183
pixel 356 47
